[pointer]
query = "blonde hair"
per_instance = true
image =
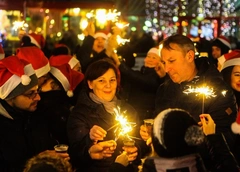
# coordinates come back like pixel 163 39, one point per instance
pixel 50 161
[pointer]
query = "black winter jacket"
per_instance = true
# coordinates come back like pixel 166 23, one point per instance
pixel 222 107
pixel 20 139
pixel 84 116
pixel 139 89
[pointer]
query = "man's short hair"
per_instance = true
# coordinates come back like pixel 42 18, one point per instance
pixel 182 41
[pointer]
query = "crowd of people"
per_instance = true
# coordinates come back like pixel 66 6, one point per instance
pixel 70 96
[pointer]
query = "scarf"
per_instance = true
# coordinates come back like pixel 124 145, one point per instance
pixel 108 105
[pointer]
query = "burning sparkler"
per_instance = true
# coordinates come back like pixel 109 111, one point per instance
pixel 123 126
pixel 121 41
pixel 205 91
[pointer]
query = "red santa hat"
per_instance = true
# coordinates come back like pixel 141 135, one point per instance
pixel 100 34
pixel 229 59
pixel 63 59
pixel 17 76
pixel 37 39
pixel 2 54
pixel 68 77
pixel 154 51
pixel 236 125
pixel 36 57
pixel 225 41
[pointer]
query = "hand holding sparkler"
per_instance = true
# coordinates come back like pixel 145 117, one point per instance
pixel 97 133
pixel 208 124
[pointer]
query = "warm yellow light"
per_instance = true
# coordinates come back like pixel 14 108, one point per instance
pixel 83 23
pixel 76 10
pixel 52 21
pixel 59 34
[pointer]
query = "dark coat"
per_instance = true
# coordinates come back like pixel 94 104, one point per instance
pixel 54 108
pixel 139 89
pixel 19 138
pixel 222 107
pixel 84 115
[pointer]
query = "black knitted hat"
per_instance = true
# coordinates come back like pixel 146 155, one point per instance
pixel 176 133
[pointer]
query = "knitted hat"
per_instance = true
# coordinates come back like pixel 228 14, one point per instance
pixel 229 59
pixel 223 43
pixel 63 59
pixel 68 77
pixel 36 57
pixel 2 54
pixel 37 39
pixel 154 50
pixel 17 76
pixel 100 34
pixel 176 133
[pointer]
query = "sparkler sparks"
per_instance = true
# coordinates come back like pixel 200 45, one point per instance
pixel 123 126
pixel 205 91
pixel 121 41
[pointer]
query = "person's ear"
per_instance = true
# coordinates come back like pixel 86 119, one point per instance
pixel 191 55
pixel 90 84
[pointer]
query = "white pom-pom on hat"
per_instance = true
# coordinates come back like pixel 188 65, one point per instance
pixel 25 79
pixel 236 125
pixel 70 93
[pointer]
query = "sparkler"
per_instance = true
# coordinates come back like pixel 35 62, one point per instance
pixel 123 126
pixel 205 91
pixel 121 41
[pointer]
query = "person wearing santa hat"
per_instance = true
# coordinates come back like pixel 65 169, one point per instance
pixel 62 59
pixel 19 97
pixel 221 45
pixel 139 87
pixel 96 46
pixel 39 61
pixel 230 70
pixel 56 94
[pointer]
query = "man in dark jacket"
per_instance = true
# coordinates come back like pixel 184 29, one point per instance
pixel 18 99
pixel 186 73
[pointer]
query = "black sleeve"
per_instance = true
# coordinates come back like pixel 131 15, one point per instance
pixel 220 154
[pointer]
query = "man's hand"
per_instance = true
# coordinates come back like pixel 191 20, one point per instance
pixel 102 150
pixel 160 70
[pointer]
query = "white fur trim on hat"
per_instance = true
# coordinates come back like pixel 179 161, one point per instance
pixel 14 81
pixel 43 70
pixel 225 42
pixel 2 56
pixel 33 40
pixel 73 61
pixel 100 34
pixel 154 50
pixel 231 62
pixel 158 126
pixel 61 78
pixel 235 128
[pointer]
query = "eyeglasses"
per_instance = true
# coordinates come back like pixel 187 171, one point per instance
pixel 32 94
